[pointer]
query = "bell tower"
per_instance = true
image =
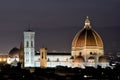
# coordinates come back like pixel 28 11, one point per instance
pixel 29 48
pixel 43 57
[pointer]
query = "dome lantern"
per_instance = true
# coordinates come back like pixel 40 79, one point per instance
pixel 87 23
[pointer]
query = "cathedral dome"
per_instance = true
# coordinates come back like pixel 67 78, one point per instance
pixel 87 37
pixel 87 41
pixel 14 52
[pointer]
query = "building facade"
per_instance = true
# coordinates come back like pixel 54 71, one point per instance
pixel 29 48
pixel 87 50
pixel 87 45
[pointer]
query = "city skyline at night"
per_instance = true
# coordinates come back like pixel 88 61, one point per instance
pixel 56 22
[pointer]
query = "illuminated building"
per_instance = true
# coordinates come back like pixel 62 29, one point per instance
pixel 13 55
pixel 29 49
pixel 86 42
pixel 87 50
pixel 87 46
pixel 3 58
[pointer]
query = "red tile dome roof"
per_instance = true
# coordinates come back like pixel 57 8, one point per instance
pixel 87 37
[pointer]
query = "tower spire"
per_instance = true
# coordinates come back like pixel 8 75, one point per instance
pixel 29 27
pixel 87 23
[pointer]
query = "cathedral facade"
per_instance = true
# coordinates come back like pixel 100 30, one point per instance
pixel 87 50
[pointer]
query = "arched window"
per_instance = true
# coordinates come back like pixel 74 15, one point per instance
pixel 27 44
pixel 42 55
pixel 48 59
pixel 31 43
pixel 57 59
pixel 80 53
pixel 27 60
pixel 27 53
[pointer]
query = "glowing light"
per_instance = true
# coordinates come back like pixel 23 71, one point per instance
pixel 4 59
pixel 0 59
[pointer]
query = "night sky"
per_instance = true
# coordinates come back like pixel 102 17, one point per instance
pixel 57 21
